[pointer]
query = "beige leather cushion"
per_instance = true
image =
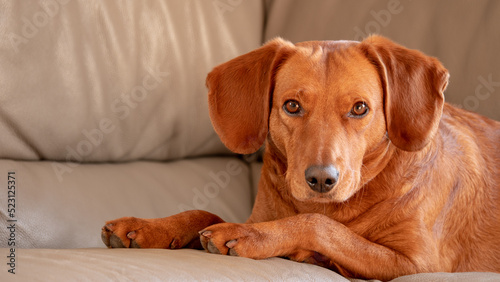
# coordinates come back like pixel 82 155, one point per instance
pixel 68 210
pixel 115 80
pixel 180 265
pixel 464 35
pixel 156 265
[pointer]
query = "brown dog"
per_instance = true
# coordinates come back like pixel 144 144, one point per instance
pixel 366 170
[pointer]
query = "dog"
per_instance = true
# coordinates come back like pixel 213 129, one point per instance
pixel 366 170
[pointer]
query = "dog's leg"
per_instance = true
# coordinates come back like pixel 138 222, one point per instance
pixel 173 232
pixel 329 243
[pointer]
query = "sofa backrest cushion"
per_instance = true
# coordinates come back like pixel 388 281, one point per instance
pixel 96 81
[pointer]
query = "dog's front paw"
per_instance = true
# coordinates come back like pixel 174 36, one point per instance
pixel 243 240
pixel 131 232
pixel 173 232
pixel 126 232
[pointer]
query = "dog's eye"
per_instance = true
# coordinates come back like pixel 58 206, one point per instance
pixel 360 109
pixel 291 107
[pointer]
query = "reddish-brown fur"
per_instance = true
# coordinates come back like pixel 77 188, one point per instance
pixel 419 180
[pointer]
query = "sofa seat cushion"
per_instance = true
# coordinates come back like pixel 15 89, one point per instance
pixel 68 210
pixel 156 265
pixel 180 265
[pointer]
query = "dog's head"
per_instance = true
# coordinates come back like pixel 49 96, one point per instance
pixel 330 109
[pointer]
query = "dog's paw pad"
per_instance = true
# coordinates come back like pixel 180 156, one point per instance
pixel 212 248
pixel 232 252
pixel 115 242
pixel 133 244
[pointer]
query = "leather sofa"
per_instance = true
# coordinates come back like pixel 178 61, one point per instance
pixel 103 114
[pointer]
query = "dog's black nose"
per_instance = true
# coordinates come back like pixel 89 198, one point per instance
pixel 322 178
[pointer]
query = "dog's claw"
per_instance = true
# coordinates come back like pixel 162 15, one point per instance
pixel 231 244
pixel 206 233
pixel 131 235
pixel 175 244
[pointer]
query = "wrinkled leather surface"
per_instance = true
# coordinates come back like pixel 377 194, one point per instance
pixel 115 80
pixel 181 265
pixel 70 213
pixel 157 265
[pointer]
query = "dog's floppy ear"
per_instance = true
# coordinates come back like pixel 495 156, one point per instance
pixel 240 93
pixel 413 86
